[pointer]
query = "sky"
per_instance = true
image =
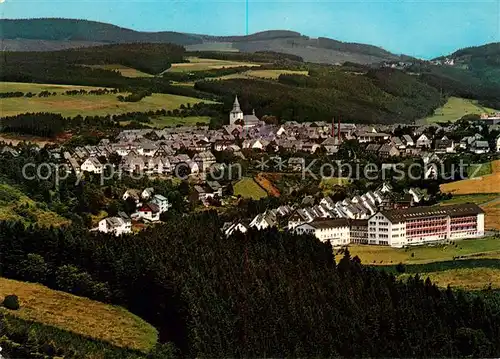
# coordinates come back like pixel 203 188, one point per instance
pixel 420 28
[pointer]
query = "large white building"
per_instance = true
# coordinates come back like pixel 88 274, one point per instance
pixel 335 231
pixel 420 225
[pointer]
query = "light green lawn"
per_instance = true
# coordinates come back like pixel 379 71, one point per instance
pixel 200 64
pixel 124 70
pixel 15 206
pixel 490 247
pixel 455 109
pixel 90 104
pixel 472 198
pixel 248 188
pixel 464 278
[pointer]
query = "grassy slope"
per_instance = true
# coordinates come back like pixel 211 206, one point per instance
pixel 455 109
pixel 465 278
pixel 12 202
pixel 248 188
pixel 87 104
pixel 484 184
pixel 200 64
pixel 32 87
pixel 124 70
pixel 80 315
pixel 484 248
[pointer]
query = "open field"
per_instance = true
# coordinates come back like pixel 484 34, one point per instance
pixel 15 206
pixel 479 170
pixel 123 70
pixel 32 87
pixel 79 315
pixel 248 188
pixel 492 218
pixel 378 255
pixel 478 199
pixel 456 108
pixel 273 74
pixel 327 185
pixel 200 64
pixel 464 278
pixel 91 105
pixel 484 184
pixel 14 140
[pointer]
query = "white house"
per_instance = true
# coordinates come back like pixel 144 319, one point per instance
pixel 498 144
pixel 116 225
pixel 147 193
pixel 335 231
pixel 161 202
pixel 92 165
pixel 150 212
pixel 423 141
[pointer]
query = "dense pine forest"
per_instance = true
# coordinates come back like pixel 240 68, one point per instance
pixel 261 294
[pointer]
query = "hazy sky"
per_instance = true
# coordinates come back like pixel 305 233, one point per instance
pixel 420 28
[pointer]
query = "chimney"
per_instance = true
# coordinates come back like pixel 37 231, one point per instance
pixel 333 126
pixel 339 131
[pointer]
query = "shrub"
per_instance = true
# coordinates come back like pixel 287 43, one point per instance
pixel 401 268
pixel 11 302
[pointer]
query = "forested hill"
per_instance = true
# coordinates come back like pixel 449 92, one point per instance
pixel 56 34
pixel 262 294
pixel 83 30
pixel 483 61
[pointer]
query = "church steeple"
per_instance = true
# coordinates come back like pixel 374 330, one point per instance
pixel 236 113
pixel 236 105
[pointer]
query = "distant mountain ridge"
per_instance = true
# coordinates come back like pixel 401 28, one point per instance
pixel 57 34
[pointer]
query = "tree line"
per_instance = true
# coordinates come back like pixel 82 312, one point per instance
pixel 261 294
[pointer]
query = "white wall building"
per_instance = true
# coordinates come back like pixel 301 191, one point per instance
pixel 335 231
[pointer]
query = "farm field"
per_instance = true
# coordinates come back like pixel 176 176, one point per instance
pixel 15 206
pixel 123 70
pixel 33 87
pixel 471 198
pixel 378 255
pixel 492 218
pixel 479 170
pixel 466 278
pixel 248 188
pixel 484 184
pixel 91 105
pixel 273 74
pixel 456 108
pixel 201 64
pixel 79 315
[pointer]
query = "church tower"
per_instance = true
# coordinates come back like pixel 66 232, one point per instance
pixel 236 114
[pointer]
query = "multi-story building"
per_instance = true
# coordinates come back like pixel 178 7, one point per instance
pixel 335 231
pixel 420 225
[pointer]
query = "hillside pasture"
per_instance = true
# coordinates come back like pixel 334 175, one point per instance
pixel 79 315
pixel 248 188
pixel 382 255
pixel 455 108
pixel 35 88
pixel 88 105
pixel 273 74
pixel 464 278
pixel 123 70
pixel 479 184
pixel 201 64
pixel 16 206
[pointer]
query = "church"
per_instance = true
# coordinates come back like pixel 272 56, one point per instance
pixel 236 116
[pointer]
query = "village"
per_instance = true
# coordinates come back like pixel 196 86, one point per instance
pixel 378 216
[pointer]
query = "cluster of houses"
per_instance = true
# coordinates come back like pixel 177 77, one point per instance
pixel 149 206
pixel 160 152
pixel 340 222
pixel 399 227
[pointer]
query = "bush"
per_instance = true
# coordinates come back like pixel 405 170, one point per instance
pixel 401 268
pixel 11 302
